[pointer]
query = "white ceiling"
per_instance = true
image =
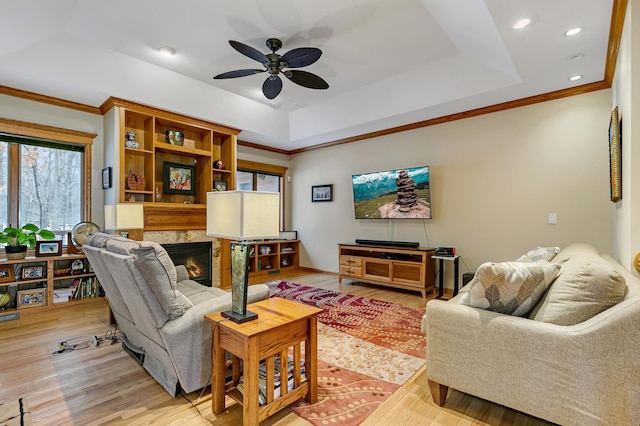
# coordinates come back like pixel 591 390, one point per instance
pixel 388 63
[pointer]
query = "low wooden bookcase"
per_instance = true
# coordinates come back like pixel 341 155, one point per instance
pixel 267 260
pixel 47 281
pixel 272 258
pixel 399 267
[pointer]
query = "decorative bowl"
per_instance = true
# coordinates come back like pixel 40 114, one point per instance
pixel 174 138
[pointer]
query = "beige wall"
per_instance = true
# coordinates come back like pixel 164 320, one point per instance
pixel 40 113
pixel 626 96
pixel 494 180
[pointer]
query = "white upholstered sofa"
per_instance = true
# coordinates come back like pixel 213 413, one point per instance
pixel 159 310
pixel 586 372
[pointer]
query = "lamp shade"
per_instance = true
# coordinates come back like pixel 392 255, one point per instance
pixel 243 215
pixel 124 216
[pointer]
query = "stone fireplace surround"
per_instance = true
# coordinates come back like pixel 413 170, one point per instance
pixel 171 237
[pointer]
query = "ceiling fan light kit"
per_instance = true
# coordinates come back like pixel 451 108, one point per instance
pixel 275 64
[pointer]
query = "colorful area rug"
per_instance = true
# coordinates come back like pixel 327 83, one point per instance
pixel 367 349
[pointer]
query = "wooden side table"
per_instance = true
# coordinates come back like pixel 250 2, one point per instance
pixel 281 325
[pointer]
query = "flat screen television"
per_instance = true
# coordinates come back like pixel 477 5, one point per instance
pixel 392 194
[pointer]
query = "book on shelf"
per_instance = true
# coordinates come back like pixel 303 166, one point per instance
pixel 85 288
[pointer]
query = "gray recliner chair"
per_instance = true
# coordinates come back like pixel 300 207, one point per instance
pixel 159 310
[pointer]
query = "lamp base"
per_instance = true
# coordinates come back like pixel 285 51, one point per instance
pixel 239 318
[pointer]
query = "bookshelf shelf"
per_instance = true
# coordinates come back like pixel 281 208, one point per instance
pixel 75 285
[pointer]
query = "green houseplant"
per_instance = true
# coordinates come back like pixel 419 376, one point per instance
pixel 17 240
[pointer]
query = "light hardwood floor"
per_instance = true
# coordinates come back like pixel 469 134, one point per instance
pixel 102 384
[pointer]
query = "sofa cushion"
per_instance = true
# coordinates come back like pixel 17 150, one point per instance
pixel 511 288
pixel 159 272
pixel 192 290
pixel 574 250
pixel 587 285
pixel 181 273
pixel 539 254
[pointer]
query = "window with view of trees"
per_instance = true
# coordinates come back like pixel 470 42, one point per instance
pixel 41 182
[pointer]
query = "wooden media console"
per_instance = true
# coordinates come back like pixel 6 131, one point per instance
pixel 399 267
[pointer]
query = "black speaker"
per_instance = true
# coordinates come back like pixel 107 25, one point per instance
pixel 388 243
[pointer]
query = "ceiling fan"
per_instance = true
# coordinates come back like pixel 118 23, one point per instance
pixel 275 64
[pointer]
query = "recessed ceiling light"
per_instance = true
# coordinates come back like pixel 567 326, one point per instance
pixel 575 77
pixel 274 104
pixel 572 31
pixel 297 104
pixel 166 50
pixel 521 23
pixel 576 57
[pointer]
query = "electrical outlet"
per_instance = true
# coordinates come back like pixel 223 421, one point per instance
pixel 553 218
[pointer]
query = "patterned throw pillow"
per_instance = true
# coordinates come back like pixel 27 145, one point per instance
pixel 539 254
pixel 511 288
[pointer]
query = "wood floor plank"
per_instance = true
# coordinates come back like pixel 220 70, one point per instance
pixel 103 385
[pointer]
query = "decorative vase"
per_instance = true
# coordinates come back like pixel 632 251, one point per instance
pixel 179 138
pixel 158 195
pixel 174 137
pixel 16 252
pixel 131 140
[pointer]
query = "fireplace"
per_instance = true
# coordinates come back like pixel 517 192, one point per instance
pixel 196 257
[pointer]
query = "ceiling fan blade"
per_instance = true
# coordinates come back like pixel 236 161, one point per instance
pixel 237 73
pixel 272 86
pixel 249 51
pixel 301 57
pixel 306 79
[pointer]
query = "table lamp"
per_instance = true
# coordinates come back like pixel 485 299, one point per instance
pixel 123 217
pixel 242 216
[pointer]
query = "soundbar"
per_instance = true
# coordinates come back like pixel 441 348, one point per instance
pixel 387 243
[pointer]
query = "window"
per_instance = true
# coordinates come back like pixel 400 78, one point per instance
pixel 43 180
pixel 48 186
pixel 253 181
pixel 253 176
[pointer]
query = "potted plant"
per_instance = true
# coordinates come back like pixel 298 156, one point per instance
pixel 17 240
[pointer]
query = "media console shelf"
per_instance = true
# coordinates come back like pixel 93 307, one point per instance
pixel 399 267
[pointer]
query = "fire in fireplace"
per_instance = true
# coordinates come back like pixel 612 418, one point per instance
pixel 196 257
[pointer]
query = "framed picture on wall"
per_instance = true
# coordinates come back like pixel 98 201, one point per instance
pixel 615 156
pixel 106 178
pixel 321 193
